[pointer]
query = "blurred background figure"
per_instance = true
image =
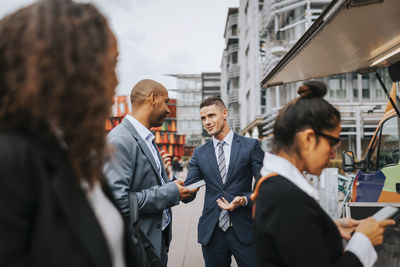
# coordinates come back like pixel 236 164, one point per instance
pixel 176 167
pixel 57 79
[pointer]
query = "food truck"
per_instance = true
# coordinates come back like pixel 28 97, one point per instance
pixel 358 36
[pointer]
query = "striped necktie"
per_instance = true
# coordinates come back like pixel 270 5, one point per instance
pixel 223 220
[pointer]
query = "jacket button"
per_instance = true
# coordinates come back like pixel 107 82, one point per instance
pixel 158 226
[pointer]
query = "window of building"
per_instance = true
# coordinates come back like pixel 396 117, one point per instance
pixel 272 98
pixel 283 94
pixel 189 83
pixel 262 49
pixel 337 87
pixel 365 86
pixel 234 56
pixel 234 30
pixel 263 100
pixel 235 82
pixel 355 84
pixel 384 74
pixel 260 4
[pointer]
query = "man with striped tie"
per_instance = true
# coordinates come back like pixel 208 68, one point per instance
pixel 227 163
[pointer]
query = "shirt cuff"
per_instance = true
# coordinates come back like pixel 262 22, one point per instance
pixel 245 204
pixel 362 247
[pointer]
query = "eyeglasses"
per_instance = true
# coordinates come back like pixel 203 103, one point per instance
pixel 333 141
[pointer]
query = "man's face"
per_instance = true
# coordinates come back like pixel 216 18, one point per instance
pixel 161 110
pixel 214 119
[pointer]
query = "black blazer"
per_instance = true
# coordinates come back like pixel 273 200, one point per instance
pixel 291 229
pixel 45 218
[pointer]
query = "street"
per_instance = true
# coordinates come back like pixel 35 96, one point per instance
pixel 184 250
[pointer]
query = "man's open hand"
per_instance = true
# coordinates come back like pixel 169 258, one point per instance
pixel 236 202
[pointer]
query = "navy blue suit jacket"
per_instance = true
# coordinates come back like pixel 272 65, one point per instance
pixel 245 163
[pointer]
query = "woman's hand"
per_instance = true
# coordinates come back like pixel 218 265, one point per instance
pixel 347 226
pixel 374 229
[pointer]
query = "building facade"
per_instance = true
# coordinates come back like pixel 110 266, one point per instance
pixel 188 98
pixel 251 99
pixel 210 84
pixel 191 90
pixel 230 69
pixel 358 97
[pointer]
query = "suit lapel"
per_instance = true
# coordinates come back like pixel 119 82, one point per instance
pixel 163 171
pixel 142 145
pixel 212 160
pixel 82 220
pixel 234 155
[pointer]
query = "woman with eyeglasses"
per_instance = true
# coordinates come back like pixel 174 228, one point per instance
pixel 291 228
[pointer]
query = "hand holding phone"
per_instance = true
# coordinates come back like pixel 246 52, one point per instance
pixel 374 227
pixel 384 213
pixel 196 185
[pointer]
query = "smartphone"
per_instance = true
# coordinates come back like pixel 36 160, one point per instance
pixel 384 213
pixel 196 185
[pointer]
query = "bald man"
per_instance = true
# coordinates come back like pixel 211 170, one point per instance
pixel 136 169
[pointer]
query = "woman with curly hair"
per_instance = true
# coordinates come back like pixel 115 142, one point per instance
pixel 57 79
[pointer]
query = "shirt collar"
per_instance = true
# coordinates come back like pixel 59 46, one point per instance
pixel 273 163
pixel 228 139
pixel 142 131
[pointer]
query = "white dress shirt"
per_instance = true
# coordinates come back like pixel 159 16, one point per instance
pixel 359 244
pixel 227 148
pixel 148 138
pixel 110 221
pixel 227 152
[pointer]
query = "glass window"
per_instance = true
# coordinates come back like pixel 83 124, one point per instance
pixel 234 30
pixel 355 84
pixel 384 74
pixel 235 82
pixel 388 153
pixel 337 87
pixel 234 57
pixel 365 86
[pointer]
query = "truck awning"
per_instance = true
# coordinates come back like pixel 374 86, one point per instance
pixel 350 35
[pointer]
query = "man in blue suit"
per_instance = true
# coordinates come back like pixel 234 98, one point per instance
pixel 227 163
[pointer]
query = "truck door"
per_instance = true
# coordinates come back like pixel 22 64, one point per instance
pixel 380 181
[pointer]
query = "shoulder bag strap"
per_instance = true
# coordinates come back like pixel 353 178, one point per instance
pixel 254 196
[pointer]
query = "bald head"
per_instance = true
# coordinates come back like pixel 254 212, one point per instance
pixel 145 88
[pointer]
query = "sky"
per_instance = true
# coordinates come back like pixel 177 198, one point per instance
pixel 158 37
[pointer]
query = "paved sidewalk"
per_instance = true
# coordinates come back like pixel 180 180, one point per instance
pixel 184 250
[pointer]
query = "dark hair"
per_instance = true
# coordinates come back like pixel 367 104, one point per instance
pixel 212 100
pixel 53 59
pixel 309 110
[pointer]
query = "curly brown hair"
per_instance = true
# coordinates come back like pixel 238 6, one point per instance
pixel 55 69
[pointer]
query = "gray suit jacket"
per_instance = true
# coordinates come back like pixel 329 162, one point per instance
pixel 132 170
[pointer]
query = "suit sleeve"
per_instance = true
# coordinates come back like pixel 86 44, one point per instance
pixel 119 172
pixel 257 156
pixel 18 198
pixel 295 231
pixel 194 175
